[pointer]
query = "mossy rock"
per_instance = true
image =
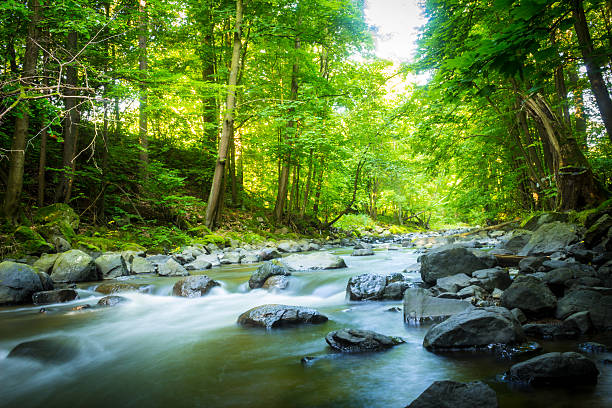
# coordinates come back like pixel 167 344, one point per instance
pixel 60 228
pixel 55 213
pixel 215 239
pixel 31 242
pixel 88 247
pixel 200 231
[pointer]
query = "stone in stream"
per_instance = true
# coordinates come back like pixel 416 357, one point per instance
pixel 491 279
pixel 45 262
pixel 478 327
pixel 267 254
pixel 550 238
pixel 194 286
pixel 271 316
pixel 453 283
pixel 597 301
pixel 199 264
pixel 54 296
pixel 448 261
pixel 279 282
pixel 265 271
pixel 171 268
pixel 111 265
pixel 18 282
pixel 74 266
pixel 519 239
pixel 370 286
pixel 313 261
pixel 109 301
pixel 420 305
pixel 142 265
pixel 56 350
pixel 359 341
pixel 531 295
pixel 555 369
pixel 117 287
pixel 452 394
pixel 362 249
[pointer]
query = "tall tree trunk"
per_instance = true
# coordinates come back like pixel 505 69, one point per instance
pixel 580 123
pixel 213 208
pixel 308 182
pixel 283 182
pixel 232 171
pixel 71 120
pixel 210 103
pixel 598 85
pixel 319 185
pixel 14 183
pixel 44 132
pixel 143 137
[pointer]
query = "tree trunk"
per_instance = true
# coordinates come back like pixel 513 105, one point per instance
pixel 14 183
pixel 315 206
pixel 44 132
pixel 580 123
pixel 308 182
pixel 232 171
pixel 213 208
pixel 143 138
pixel 71 120
pixel 598 85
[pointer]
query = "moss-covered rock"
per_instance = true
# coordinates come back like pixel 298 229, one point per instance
pixel 57 220
pixel 31 242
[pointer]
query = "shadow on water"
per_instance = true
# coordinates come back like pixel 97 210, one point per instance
pixel 159 350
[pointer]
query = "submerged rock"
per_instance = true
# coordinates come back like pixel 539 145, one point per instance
pixel 108 301
pixel 59 349
pixel 18 282
pixel 313 261
pixel 265 271
pixel 54 296
pixel 452 394
pixel 270 316
pixel 554 369
pixel 74 266
pixel 477 327
pixel 194 286
pixel 359 341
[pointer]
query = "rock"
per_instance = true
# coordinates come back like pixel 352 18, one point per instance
pixel 592 347
pixel 313 246
pixel 453 283
pixel 74 266
pixel 111 265
pixel 359 341
pixel 265 271
pixel 368 286
pixel 550 238
pixel 270 316
pixel 278 282
pixel 491 279
pixel 118 287
pixel 229 258
pixel 194 286
pixel 475 328
pixel 18 282
pixel 185 257
pixel 109 301
pixel 451 394
pixel 171 268
pixel 419 306
pixel 530 295
pixel 57 220
pixel 46 262
pixel 553 330
pixel 199 264
pixel 55 350
pixel 597 301
pixel 598 231
pixel 519 315
pixel 497 293
pixel 250 257
pixel 448 261
pixel 362 249
pixel 519 239
pixel 313 261
pixel 31 242
pixel 267 254
pixel 574 274
pixel 472 291
pixel 45 281
pixel 536 221
pixel 141 265
pixel 60 244
pixel 555 369
pixel 511 352
pixel 54 296
pixel 532 264
pixel 288 246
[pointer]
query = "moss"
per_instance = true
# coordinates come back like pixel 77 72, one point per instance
pixel 55 213
pixel 30 241
pixel 200 231
pixel 215 239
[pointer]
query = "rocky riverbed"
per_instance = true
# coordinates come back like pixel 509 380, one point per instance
pixel 507 315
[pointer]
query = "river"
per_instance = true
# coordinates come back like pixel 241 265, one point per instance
pixel 163 351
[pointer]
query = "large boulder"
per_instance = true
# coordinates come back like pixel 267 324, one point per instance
pixel 74 266
pixel 267 254
pixel 54 296
pixel 550 238
pixel 264 271
pixel 363 249
pixel 370 286
pixel 278 282
pixel 451 394
pixel 475 328
pixel 54 350
pixel 31 242
pixel 517 241
pixel 57 220
pixel 453 283
pixel 554 369
pixel 270 316
pixel 597 301
pixel 448 261
pixel 171 268
pixel 199 264
pixel 536 221
pixel 420 305
pixel 194 286
pixel 141 265
pixel 45 262
pixel 598 231
pixel 313 261
pixel 289 246
pixel 491 278
pixel 18 282
pixel 111 265
pixel 531 295
pixel 359 341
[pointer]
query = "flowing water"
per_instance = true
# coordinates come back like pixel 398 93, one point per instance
pixel 159 350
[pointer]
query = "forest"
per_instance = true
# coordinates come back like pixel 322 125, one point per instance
pixel 184 114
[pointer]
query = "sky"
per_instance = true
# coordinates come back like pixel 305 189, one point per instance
pixel 397 22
